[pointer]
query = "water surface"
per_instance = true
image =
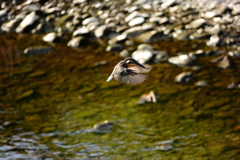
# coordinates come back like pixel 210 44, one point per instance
pixel 50 102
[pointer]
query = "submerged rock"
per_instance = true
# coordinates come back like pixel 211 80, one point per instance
pixel 184 77
pixel 102 126
pixel 37 50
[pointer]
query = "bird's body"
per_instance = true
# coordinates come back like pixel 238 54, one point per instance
pixel 128 71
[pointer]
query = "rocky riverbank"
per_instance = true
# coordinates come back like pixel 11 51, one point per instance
pixel 122 25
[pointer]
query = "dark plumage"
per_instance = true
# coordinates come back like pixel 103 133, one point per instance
pixel 128 71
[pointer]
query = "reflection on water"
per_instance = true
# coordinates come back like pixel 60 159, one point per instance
pixel 49 104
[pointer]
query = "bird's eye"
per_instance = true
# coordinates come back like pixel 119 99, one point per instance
pixel 128 61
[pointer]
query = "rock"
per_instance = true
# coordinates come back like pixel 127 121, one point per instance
pixel 210 14
pixel 132 16
pixel 143 56
pixel 200 35
pixel 168 3
pixel 114 48
pixel 27 23
pixel 82 31
pixel 79 41
pixel 201 83
pixel 224 63
pixel 43 27
pixel 186 111
pixel 118 39
pixel 136 31
pixel 184 77
pixel 145 47
pixel 51 37
pixel 232 85
pixel 182 34
pixel 90 20
pixel 36 50
pixel 164 147
pixel 125 53
pixel 196 23
pixel 161 56
pixel 181 60
pixel 151 36
pixel 102 31
pixel 136 21
pixel 11 25
pixel 214 41
pixel 103 126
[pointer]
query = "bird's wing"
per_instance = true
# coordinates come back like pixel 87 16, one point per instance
pixel 129 76
pixel 138 69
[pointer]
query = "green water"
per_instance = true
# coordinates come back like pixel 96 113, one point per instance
pixel 50 102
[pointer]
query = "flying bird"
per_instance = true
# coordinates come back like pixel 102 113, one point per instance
pixel 129 71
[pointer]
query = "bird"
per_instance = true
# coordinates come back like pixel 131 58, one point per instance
pixel 129 71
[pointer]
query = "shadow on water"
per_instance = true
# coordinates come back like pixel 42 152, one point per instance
pixel 49 103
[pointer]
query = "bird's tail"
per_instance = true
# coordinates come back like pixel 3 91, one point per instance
pixel 109 78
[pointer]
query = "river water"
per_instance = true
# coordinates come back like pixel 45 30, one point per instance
pixel 50 102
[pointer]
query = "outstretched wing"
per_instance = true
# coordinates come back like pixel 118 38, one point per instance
pixel 129 76
pixel 137 68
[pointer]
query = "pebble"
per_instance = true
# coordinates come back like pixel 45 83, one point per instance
pixel 184 77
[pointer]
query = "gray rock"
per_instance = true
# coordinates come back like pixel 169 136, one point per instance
pixel 201 83
pixel 145 47
pixel 225 63
pixel 103 126
pixel 82 31
pixel 125 53
pixel 27 22
pixel 118 39
pixel 102 31
pixel 144 55
pixel 196 23
pixel 132 16
pixel 161 56
pixel 168 3
pixel 136 31
pixel 200 35
pixel 90 20
pixel 214 41
pixel 11 25
pixel 181 60
pixel 114 48
pixel 182 34
pixel 51 37
pixel 184 77
pixel 43 27
pixel 151 36
pixel 164 147
pixel 136 21
pixel 79 41
pixel 37 50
